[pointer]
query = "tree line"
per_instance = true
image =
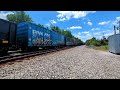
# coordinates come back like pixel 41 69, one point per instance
pixel 21 16
pixel 96 42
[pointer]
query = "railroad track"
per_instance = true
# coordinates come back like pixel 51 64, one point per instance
pixel 28 54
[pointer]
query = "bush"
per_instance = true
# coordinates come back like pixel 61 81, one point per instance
pixel 103 48
pixel 95 42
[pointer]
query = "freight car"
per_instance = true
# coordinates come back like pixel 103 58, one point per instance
pixel 57 39
pixel 69 41
pixel 7 35
pixel 31 36
pixel 27 36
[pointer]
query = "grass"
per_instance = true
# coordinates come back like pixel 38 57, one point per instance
pixel 102 48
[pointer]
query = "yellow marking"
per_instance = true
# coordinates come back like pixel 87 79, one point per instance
pixel 4 41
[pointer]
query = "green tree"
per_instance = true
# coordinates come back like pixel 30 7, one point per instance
pixel 18 17
pixel 93 41
pixel 104 41
pixel 68 33
pixel 41 25
pixel 55 28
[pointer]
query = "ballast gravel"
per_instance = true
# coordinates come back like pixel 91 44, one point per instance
pixel 78 62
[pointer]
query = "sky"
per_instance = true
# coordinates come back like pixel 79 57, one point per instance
pixel 82 24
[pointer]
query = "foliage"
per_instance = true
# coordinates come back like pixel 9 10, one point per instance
pixel 67 33
pixel 103 48
pixel 95 42
pixel 41 25
pixel 18 17
pixel 104 41
pixel 55 28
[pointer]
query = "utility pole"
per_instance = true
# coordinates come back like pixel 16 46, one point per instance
pixel 114 30
pixel 103 35
pixel 119 26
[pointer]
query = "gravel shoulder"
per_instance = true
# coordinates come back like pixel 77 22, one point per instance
pixel 76 63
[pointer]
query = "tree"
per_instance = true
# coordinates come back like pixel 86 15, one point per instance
pixel 67 33
pixel 55 28
pixel 47 27
pixel 95 42
pixel 18 17
pixel 104 41
pixel 92 41
pixel 41 25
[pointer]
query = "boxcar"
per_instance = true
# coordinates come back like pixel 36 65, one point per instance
pixel 74 41
pixel 47 37
pixel 57 39
pixel 30 35
pixel 7 35
pixel 69 41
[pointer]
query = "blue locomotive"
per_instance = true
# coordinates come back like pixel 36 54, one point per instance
pixel 28 35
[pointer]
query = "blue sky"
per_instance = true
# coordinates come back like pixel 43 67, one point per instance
pixel 82 24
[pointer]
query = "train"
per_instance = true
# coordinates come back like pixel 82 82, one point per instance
pixel 30 36
pixel 7 35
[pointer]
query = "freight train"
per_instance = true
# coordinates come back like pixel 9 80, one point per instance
pixel 7 35
pixel 28 35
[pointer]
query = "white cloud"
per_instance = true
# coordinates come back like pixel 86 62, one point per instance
pixel 48 24
pixel 61 19
pixel 53 22
pixel 93 29
pixel 118 18
pixel 79 33
pixel 78 36
pixel 89 23
pixel 66 15
pixel 88 35
pixel 104 22
pixel 115 22
pixel 85 32
pixel 75 27
pixel 106 33
pixel 111 23
pixel 82 36
pixel 3 14
pixel 97 33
